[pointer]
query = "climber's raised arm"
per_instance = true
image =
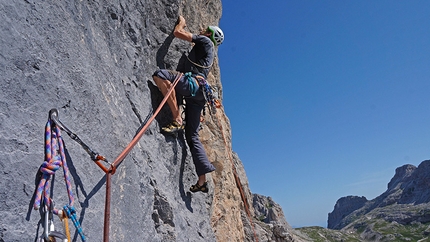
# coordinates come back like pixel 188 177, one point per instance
pixel 180 31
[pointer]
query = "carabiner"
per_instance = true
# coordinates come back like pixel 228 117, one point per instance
pixel 45 235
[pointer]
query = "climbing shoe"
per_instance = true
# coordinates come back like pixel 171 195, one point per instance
pixel 172 128
pixel 197 188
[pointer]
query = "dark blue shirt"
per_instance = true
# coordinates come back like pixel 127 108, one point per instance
pixel 201 56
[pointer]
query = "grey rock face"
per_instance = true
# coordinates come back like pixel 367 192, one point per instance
pixel 272 224
pixel 409 185
pixel 402 173
pixel 344 206
pixel 93 61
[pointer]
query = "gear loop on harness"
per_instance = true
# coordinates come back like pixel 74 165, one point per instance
pixel 197 81
pixel 210 95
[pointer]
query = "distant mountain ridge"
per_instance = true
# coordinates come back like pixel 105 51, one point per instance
pixel 406 201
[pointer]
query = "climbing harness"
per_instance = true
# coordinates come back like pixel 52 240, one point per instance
pixel 210 96
pixel 54 159
pixel 69 210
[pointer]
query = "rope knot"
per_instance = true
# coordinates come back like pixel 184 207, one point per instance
pixel 49 168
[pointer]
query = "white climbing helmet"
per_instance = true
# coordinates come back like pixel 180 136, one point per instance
pixel 217 35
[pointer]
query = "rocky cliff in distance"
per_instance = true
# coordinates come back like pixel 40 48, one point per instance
pixel 272 221
pixel 93 61
pixel 344 206
pixel 405 203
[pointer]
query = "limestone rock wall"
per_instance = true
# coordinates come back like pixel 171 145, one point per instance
pixel 93 61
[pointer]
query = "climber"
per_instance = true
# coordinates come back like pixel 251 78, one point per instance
pixel 197 66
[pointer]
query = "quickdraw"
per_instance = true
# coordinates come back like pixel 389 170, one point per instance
pixel 210 95
pixel 98 158
pixel 54 159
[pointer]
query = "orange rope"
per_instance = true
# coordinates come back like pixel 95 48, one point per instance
pixel 111 170
pixel 130 146
pixel 66 225
pixel 122 156
pixel 238 183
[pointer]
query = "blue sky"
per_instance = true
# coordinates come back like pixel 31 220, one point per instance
pixel 326 98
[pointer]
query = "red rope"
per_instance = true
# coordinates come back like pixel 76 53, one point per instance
pixel 111 170
pixel 124 153
pixel 130 146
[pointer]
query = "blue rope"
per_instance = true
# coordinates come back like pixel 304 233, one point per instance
pixel 71 213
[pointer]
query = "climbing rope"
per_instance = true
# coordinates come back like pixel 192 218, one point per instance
pixel 71 213
pixel 55 157
pixel 203 67
pixel 236 177
pixel 97 158
pixel 130 146
pixel 65 220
